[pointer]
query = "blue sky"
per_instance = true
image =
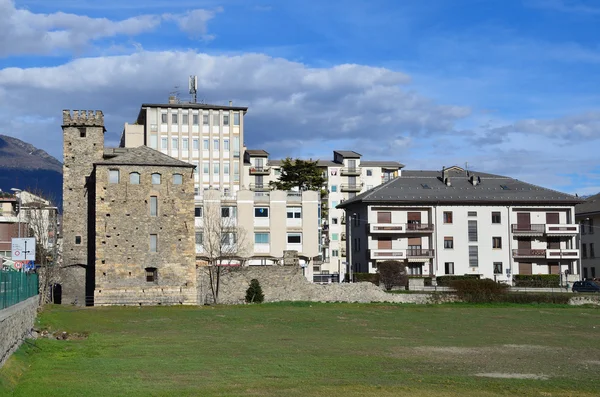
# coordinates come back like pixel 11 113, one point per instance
pixel 509 87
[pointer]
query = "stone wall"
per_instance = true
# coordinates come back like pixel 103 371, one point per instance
pixel 16 323
pixel 286 283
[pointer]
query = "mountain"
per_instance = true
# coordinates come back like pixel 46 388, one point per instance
pixel 23 166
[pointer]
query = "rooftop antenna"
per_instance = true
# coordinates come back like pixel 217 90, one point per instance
pixel 193 85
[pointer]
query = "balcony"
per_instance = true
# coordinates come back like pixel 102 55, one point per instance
pixel 353 171
pixel 260 187
pixel 528 230
pixel 552 253
pixel 419 253
pixel 345 187
pixel 529 253
pixel 260 170
pixel 562 230
pixel 383 253
pixel 390 228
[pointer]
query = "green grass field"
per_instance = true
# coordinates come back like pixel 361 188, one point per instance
pixel 312 350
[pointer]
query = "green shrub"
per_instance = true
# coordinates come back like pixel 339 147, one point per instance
pixel 537 280
pixel 254 292
pixel 360 277
pixel 478 291
pixel 524 297
pixel 444 281
pixel 392 273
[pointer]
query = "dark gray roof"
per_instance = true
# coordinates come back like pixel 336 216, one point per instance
pixel 141 155
pixel 257 153
pixel 203 106
pixel 322 163
pixel 426 187
pixel 383 164
pixel 590 205
pixel 348 154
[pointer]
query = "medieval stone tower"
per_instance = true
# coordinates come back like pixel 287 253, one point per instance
pixel 83 145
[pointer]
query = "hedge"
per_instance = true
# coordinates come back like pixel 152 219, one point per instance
pixel 360 277
pixel 537 280
pixel 445 281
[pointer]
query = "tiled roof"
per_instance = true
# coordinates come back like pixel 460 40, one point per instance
pixel 141 155
pixel 428 187
pixel 348 154
pixel 591 204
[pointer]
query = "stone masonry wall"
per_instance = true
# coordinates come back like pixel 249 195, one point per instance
pixel 123 229
pixel 286 283
pixel 16 323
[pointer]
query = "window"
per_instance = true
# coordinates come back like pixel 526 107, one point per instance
pixel 472 213
pixel 164 142
pixel 198 212
pixel 334 221
pixel 448 242
pixel 153 206
pixel 195 119
pixel 205 119
pixel 333 188
pixel 584 250
pixel 334 203
pixel 153 243
pixel 228 238
pixel 77 240
pixel 225 212
pixel 496 242
pixel 236 119
pixel 216 119
pixel 335 253
pixel 497 267
pixel 472 231
pixel 177 179
pixel 153 141
pixel 590 226
pixel 184 144
pixel 216 168
pixel 334 236
pixel 151 275
pixel 174 143
pixel 592 253
pixel 81 132
pixel 163 118
pixel 195 144
pixel 134 178
pixel 294 212
pixel 216 144
pixel 261 212
pixel 174 118
pixel 277 171
pixel 205 145
pixel 199 238
pixel 226 169
pixel 496 217
pixel 184 119
pixel 156 179
pixel 225 119
pixel 447 216
pixel 369 172
pixel 582 227
pixel 113 176
pixel 226 145
pixel 449 268
pixel 205 167
pixel 294 238
pixel 261 238
pixel 473 256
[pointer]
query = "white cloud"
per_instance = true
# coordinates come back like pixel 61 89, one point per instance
pixel 194 22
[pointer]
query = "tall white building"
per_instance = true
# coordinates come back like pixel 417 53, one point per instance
pixel 459 222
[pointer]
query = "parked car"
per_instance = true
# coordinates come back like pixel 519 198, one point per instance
pixel 586 286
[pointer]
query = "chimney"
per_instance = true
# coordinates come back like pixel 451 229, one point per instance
pixel 447 182
pixel 474 180
pixel 443 173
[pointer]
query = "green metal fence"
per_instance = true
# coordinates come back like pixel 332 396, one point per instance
pixel 16 287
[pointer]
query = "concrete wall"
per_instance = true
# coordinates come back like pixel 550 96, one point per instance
pixel 16 323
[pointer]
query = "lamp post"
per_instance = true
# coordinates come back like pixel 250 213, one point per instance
pixel 18 192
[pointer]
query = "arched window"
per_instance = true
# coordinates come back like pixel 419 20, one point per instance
pixel 156 179
pixel 134 178
pixel 177 179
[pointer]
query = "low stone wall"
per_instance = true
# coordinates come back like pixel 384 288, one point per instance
pixel 286 283
pixel 151 296
pixel 16 323
pixel 585 300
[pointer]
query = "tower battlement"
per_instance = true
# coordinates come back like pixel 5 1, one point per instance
pixel 83 118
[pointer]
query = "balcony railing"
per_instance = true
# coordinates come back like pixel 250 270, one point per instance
pixel 345 187
pixel 528 229
pixel 555 229
pixel 555 253
pixel 529 253
pixel 543 228
pixel 351 171
pixel 401 227
pixel 385 253
pixel 260 187
pixel 260 170
pixel 419 253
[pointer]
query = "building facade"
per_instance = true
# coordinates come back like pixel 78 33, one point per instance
pixel 9 224
pixel 459 222
pixel 588 217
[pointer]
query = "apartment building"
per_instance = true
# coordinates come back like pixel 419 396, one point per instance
pixel 211 137
pixel 347 175
pixel 461 222
pixel 587 215
pixel 257 227
pixel 9 223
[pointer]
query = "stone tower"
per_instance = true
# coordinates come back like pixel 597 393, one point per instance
pixel 83 145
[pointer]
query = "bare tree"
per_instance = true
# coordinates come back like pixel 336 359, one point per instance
pixel 224 243
pixel 41 216
pixel 392 273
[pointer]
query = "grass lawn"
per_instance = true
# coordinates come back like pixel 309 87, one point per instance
pixel 303 349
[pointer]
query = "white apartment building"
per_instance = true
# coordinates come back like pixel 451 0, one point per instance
pixel 209 136
pixel 347 175
pixel 587 215
pixel 459 222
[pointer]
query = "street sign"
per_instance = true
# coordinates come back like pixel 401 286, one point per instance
pixel 23 249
